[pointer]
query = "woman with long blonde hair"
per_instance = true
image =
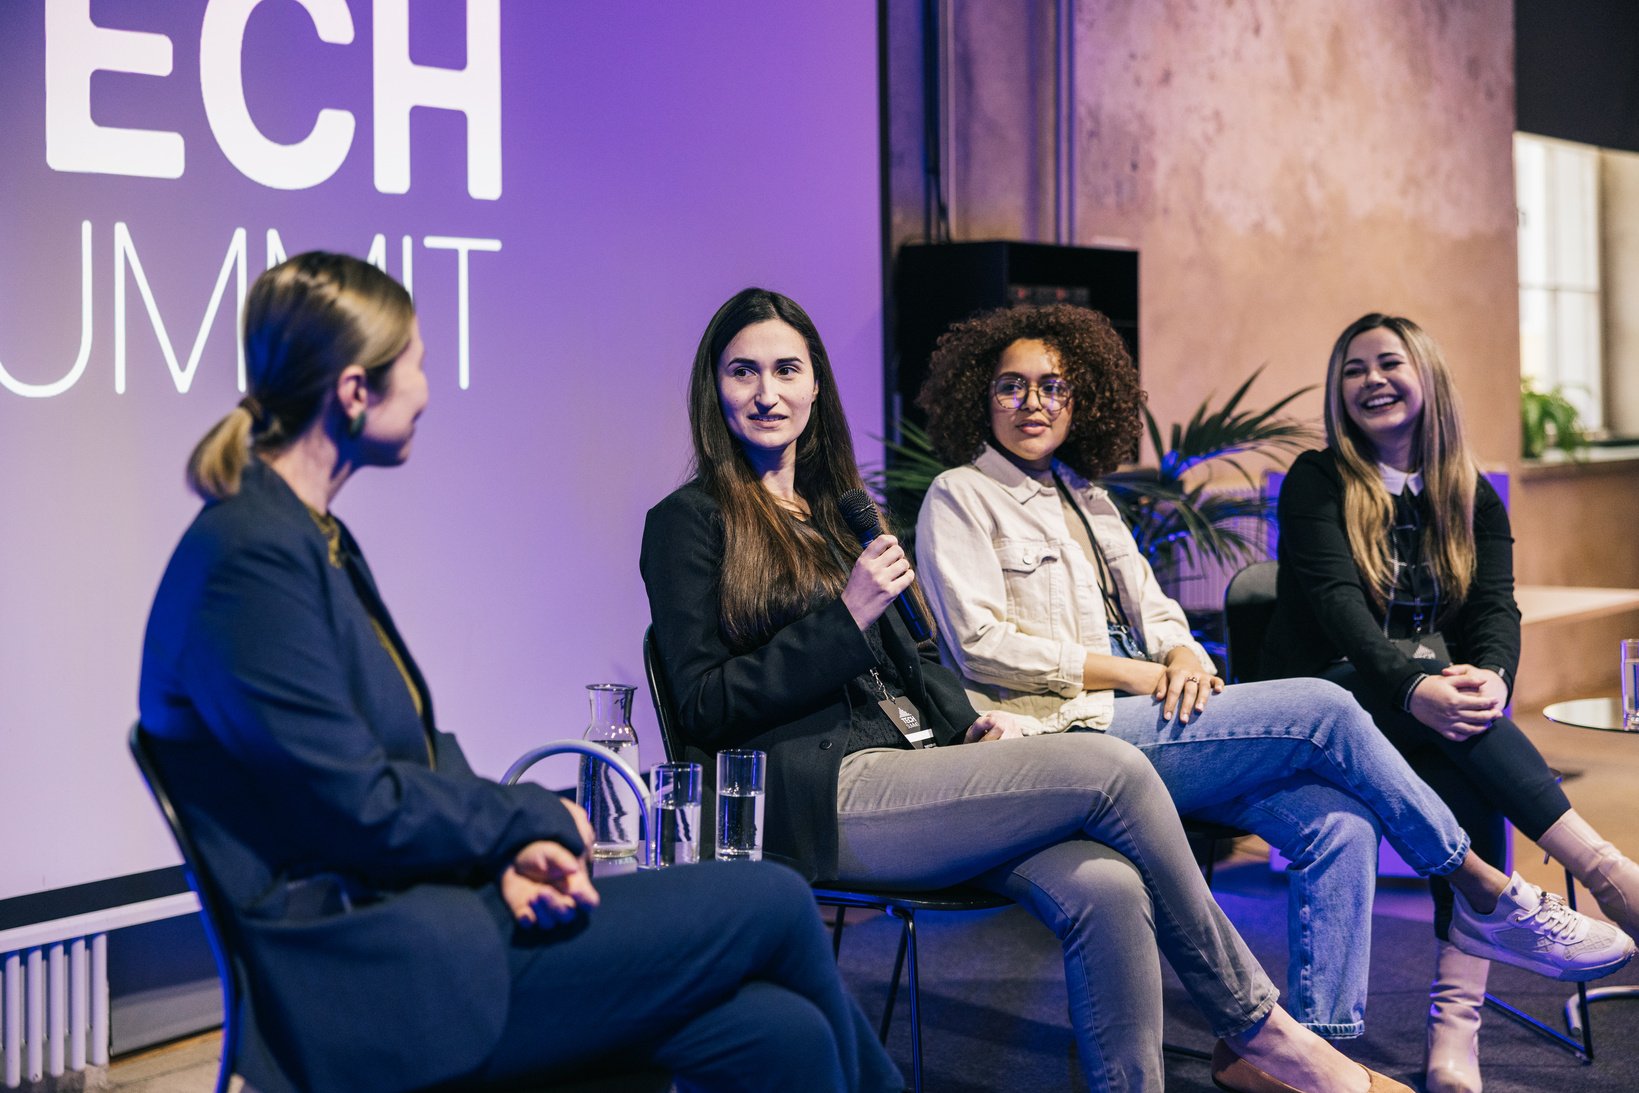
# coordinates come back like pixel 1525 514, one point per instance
pixel 1396 581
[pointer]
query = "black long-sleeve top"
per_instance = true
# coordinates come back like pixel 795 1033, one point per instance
pixel 789 696
pixel 1324 611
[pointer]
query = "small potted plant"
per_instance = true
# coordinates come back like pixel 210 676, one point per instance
pixel 1549 420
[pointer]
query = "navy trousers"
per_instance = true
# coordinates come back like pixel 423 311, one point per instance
pixel 720 972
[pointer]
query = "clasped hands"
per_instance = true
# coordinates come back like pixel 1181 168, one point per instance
pixel 1460 702
pixel 546 884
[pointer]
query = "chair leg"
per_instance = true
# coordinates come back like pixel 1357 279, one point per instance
pixel 915 1002
pixel 898 967
pixel 1211 862
pixel 836 935
pixel 230 1038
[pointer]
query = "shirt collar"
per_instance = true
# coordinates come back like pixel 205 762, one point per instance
pixel 1021 486
pixel 1397 481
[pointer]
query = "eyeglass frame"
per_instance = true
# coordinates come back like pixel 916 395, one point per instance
pixel 1041 396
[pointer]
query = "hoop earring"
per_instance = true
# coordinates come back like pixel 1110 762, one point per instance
pixel 355 426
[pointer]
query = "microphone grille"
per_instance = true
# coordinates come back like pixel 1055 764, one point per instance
pixel 859 511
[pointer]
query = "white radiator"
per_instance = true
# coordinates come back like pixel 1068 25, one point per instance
pixel 54 995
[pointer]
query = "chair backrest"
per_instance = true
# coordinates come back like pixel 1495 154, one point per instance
pixel 1249 605
pixel 213 905
pixel 665 710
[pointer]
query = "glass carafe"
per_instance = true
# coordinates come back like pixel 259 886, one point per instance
pixel 609 802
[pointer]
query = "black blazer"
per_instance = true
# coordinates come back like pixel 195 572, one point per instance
pixel 298 760
pixel 1323 610
pixel 787 697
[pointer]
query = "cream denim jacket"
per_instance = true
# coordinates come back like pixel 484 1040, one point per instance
pixel 1016 599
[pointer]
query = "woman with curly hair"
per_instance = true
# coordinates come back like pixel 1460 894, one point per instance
pixel 1046 608
pixel 772 624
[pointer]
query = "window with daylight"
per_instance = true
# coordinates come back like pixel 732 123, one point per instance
pixel 1560 315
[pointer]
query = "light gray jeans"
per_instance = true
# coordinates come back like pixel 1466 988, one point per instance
pixel 1080 831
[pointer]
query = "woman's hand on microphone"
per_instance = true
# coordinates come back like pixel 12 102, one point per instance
pixel 881 573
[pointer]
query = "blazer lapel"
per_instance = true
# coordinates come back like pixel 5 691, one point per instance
pixel 364 583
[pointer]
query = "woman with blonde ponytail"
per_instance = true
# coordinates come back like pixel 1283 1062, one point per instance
pixel 1396 581
pixel 404 923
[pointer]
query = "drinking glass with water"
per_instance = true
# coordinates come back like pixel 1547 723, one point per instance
pixel 1630 684
pixel 674 815
pixel 740 804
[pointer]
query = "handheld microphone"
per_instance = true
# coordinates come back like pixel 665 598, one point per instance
pixel 860 513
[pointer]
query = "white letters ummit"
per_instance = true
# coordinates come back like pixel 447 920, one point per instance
pixel 232 281
pixel 76 48
pixel 125 251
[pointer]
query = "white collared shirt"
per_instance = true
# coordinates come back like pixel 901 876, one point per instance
pixel 1397 481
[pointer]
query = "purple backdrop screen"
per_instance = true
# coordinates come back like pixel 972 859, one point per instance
pixel 569 188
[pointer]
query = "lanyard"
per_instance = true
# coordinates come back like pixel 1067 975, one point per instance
pixel 1115 612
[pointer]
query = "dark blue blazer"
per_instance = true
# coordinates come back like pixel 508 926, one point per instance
pixel 355 845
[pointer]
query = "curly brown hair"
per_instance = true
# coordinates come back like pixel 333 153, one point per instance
pixel 1105 424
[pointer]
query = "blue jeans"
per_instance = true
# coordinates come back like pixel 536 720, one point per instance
pixel 1299 763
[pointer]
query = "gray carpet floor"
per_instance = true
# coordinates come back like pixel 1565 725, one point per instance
pixel 995 1015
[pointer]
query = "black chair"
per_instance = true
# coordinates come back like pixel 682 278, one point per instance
pixel 1249 605
pixel 213 906
pixel 903 906
pixel 238 1022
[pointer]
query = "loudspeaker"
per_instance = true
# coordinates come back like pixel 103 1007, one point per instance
pixel 937 284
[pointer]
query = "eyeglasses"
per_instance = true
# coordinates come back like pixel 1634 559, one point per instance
pixel 1012 392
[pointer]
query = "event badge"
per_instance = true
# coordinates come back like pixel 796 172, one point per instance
pixel 903 712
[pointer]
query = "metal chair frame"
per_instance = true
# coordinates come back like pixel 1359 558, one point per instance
pixel 213 905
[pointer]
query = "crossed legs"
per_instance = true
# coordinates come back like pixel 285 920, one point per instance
pixel 1080 831
pixel 720 972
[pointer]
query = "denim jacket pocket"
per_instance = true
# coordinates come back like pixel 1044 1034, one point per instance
pixel 1031 573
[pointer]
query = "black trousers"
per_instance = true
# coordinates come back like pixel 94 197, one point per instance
pixel 1487 779
pixel 719 972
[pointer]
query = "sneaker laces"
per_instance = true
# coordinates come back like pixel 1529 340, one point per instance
pixel 1553 918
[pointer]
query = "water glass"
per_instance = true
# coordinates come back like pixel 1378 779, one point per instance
pixel 740 804
pixel 674 815
pixel 1630 684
